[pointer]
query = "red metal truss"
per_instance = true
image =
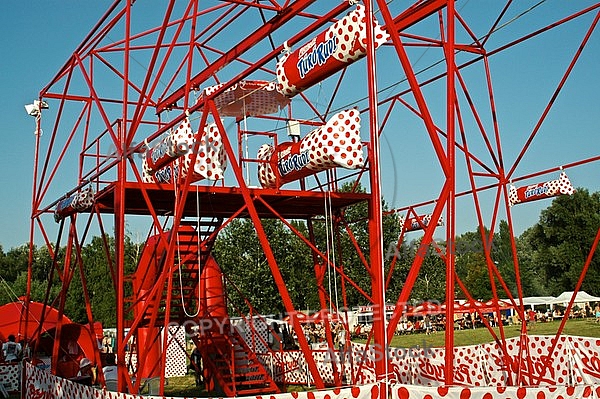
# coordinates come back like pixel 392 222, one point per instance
pixel 145 70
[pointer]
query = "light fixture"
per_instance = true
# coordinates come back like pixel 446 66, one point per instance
pixel 36 108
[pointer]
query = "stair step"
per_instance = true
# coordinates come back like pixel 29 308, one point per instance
pixel 247 383
pixel 242 380
pixel 247 374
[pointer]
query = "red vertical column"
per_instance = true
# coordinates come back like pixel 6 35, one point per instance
pixel 375 214
pixel 451 200
pixel 120 213
pixel 151 354
pixel 120 261
pixel 148 344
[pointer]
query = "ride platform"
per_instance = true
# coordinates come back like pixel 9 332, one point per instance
pixel 223 202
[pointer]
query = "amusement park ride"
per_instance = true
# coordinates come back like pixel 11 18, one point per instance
pixel 183 116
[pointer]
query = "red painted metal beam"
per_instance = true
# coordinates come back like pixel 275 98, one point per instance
pixel 416 13
pixel 416 89
pixel 450 51
pixel 272 262
pixel 261 33
pixel 376 212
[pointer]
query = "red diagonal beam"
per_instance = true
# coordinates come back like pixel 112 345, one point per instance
pixel 416 13
pixel 261 33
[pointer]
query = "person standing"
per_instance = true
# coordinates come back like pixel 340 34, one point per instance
pixel 110 370
pixel 196 365
pixel 86 374
pixel 105 344
pixel 274 337
pixel 11 350
pixel 340 339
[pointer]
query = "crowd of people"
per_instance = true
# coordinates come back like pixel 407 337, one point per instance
pixel 282 336
pixel 430 323
pixel 558 313
pixel 315 333
pixel 88 372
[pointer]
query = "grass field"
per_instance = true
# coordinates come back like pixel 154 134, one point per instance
pixel 184 387
pixel 579 327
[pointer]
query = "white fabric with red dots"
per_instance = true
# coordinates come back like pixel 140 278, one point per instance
pixel 548 189
pixel 549 369
pixel 78 202
pixel 175 144
pixel 508 392
pixel 43 385
pixel 210 161
pixel 10 376
pixel 337 143
pixel 417 222
pixel 247 98
pixel 341 44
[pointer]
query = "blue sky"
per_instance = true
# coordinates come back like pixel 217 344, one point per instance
pixel 38 37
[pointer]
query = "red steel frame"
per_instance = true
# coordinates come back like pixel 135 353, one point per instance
pixel 136 111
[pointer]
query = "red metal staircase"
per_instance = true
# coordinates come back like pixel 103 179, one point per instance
pixel 194 241
pixel 231 365
pixel 231 368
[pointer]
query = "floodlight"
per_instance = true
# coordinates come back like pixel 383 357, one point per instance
pixel 36 108
pixel 32 109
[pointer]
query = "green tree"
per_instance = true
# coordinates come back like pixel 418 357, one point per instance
pixel 562 240
pixel 38 288
pixel 354 231
pixel 240 256
pixel 14 273
pixel 99 281
pixel 238 252
pixel 471 265
pixel 502 255
pixel 533 277
pixel 14 262
pixel 431 282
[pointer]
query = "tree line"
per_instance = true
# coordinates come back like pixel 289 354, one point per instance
pixel 551 255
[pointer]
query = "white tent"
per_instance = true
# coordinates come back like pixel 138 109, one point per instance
pixel 582 297
pixel 532 301
pixel 536 300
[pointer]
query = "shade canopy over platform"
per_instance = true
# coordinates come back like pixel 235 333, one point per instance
pixel 247 98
